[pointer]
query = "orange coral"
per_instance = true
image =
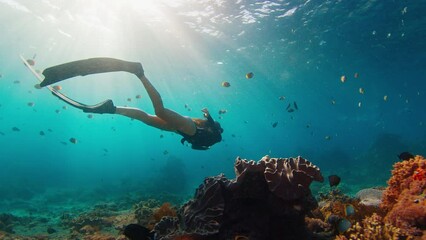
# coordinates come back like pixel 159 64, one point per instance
pixel 164 210
pixel 401 179
pixel 405 197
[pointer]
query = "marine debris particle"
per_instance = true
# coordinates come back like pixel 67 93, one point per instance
pixel 385 98
pixel 73 140
pixel 359 104
pixel 226 84
pixel 361 90
pixel 249 75
pixel 15 129
pixel 343 78
pixel 274 125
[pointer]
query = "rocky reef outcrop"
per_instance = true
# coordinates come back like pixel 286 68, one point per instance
pixel 268 199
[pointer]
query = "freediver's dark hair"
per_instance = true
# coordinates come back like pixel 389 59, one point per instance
pixel 208 133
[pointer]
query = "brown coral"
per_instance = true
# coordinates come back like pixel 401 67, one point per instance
pixel 288 178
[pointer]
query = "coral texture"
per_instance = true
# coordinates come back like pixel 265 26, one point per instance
pixel 372 227
pixel 267 200
pixel 405 197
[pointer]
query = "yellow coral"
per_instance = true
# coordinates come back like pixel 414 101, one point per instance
pixel 372 228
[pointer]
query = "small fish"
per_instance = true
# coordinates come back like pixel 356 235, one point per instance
pixel 16 82
pixel 57 111
pixel 343 78
pixel 349 210
pixel 64 107
pixel 2 133
pixel 226 84
pixel 274 125
pixel 31 62
pixel 57 87
pixel 138 96
pixel 50 130
pixel 281 98
pixel 361 90
pixel 37 86
pixel 89 115
pixel 356 75
pixel 64 143
pixel 15 129
pixel 73 140
pixel 359 104
pixel 405 156
pixel 288 106
pixel 105 150
pixel 327 137
pixel 249 75
pixel 385 98
pixel 129 99
pixel 333 102
pixel 42 133
pixel 233 135
pixel 165 152
pixel 333 180
pixel 290 110
pixel 295 106
pixel 186 105
pixel 223 111
pixel 137 232
pixel 161 136
pixel 30 104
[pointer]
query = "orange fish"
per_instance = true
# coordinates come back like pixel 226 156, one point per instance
pixel 226 84
pixel 57 87
pixel 249 75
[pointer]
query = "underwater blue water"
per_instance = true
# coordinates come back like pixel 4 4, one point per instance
pixel 296 49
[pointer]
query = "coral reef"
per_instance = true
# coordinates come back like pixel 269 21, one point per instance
pixel 405 197
pixel 267 200
pixel 372 227
pixel 402 177
pixel 165 210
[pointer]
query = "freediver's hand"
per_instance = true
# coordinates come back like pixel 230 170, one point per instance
pixel 206 112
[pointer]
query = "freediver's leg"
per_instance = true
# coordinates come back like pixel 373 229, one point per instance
pixel 172 118
pixel 144 117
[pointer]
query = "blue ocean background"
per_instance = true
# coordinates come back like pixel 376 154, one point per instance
pixel 297 50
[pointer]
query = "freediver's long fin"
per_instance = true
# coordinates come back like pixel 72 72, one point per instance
pixel 88 66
